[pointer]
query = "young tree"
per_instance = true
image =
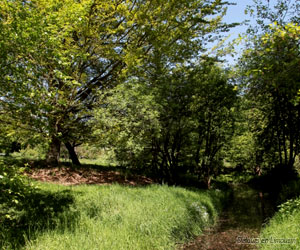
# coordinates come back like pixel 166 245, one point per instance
pixel 212 110
pixel 244 152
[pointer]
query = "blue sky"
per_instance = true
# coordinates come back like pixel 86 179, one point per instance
pixel 235 13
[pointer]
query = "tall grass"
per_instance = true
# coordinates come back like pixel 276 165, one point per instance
pixel 119 217
pixel 283 230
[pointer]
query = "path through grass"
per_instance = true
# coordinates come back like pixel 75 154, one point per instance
pixel 240 222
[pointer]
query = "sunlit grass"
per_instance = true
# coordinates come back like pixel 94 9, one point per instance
pixel 283 230
pixel 120 217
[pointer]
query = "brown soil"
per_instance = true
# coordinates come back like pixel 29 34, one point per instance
pixel 69 176
pixel 222 238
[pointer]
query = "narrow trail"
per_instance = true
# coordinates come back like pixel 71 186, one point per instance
pixel 239 225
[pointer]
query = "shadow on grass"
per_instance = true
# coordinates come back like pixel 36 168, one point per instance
pixel 36 212
pixel 41 163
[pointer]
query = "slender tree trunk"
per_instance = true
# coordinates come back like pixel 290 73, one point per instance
pixel 53 154
pixel 72 153
pixel 199 144
pixel 208 182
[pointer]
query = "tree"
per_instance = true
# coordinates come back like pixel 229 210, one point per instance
pixel 147 123
pixel 214 98
pixel 245 152
pixel 58 54
pixel 273 82
pixel 170 126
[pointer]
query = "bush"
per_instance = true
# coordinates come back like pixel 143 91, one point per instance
pixel 14 188
pixel 289 208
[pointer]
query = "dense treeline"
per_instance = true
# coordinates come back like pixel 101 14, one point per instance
pixel 177 124
pixel 138 77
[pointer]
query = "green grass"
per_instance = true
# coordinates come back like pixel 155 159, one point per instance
pixel 112 217
pixel 283 230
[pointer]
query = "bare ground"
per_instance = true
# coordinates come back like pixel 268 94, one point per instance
pixel 70 176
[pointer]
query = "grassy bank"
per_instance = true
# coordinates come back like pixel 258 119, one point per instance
pixel 283 230
pixel 111 217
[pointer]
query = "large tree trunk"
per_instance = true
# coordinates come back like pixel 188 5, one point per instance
pixel 72 153
pixel 53 154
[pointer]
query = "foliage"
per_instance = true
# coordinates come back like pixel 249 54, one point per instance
pixel 268 12
pixel 235 177
pixel 272 77
pixel 289 191
pixel 10 137
pixel 86 151
pixel 289 207
pixel 212 109
pixel 14 187
pixel 125 119
pixel 169 126
pixel 241 151
pixel 57 54
pixel 245 151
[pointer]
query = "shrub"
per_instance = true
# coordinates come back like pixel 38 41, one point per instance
pixel 14 188
pixel 289 208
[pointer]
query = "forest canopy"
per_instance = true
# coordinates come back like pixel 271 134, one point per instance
pixel 137 77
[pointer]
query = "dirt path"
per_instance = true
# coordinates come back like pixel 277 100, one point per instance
pixel 239 225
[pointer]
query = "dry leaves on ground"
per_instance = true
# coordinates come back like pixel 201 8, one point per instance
pixel 69 176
